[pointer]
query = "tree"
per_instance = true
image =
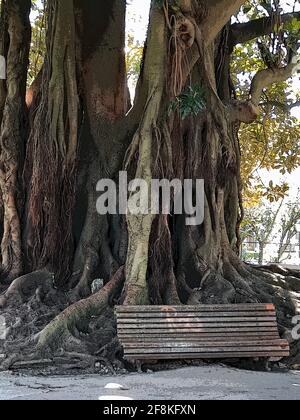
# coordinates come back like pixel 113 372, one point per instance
pixel 272 222
pixel 81 131
pixel 259 224
pixel 38 40
pixel 288 229
pixel 271 142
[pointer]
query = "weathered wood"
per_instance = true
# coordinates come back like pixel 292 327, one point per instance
pixel 170 335
pixel 199 325
pixel 190 320
pixel 221 355
pixel 201 349
pixel 151 340
pixel 205 308
pixel 181 344
pixel 195 332
pixel 215 330
pixel 181 314
pixel 197 337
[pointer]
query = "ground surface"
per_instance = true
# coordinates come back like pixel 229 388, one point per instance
pixel 200 383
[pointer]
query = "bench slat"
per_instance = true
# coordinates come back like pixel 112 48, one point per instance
pixel 156 321
pixel 181 314
pixel 205 350
pixel 199 337
pixel 199 332
pixel 215 330
pixel 277 343
pixel 221 355
pixel 206 308
pixel 198 325
pixel 203 335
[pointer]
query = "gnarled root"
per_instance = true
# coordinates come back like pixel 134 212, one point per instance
pixel 23 288
pixel 77 316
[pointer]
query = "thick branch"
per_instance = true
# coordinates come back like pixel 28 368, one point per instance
pixel 218 13
pixel 244 32
pixel 248 111
pixel 285 107
pixel 267 77
pixel 216 16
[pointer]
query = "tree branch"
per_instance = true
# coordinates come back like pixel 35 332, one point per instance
pixel 218 13
pixel 216 16
pixel 248 111
pixel 267 77
pixel 283 106
pixel 241 33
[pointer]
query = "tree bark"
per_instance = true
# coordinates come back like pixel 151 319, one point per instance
pixel 4 42
pixel 103 135
pixel 13 134
pixel 261 253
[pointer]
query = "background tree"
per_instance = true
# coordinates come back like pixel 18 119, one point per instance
pixel 260 224
pixel 288 230
pixel 271 225
pixel 38 39
pixel 272 141
pixel 184 124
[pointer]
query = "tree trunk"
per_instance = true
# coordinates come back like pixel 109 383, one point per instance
pixel 103 133
pixel 13 134
pixel 4 42
pixel 261 253
pixel 83 132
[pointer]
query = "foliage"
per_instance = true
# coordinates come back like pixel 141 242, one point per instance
pixel 272 142
pixel 265 223
pixel 134 50
pixel 259 224
pixel 38 41
pixel 288 230
pixel 190 103
pixel 134 55
pixel 260 221
pixel 174 4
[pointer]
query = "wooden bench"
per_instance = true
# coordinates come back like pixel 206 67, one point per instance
pixel 200 332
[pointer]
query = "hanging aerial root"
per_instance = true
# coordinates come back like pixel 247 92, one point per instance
pixel 162 285
pixel 52 153
pixel 181 40
pixel 13 134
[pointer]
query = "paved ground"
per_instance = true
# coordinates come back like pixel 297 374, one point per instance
pixel 200 383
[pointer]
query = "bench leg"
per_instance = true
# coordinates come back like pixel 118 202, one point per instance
pixel 267 365
pixel 139 366
pixel 262 364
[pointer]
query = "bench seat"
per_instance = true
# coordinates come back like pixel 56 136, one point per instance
pixel 200 332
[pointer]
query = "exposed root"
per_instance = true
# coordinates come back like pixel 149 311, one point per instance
pixel 23 288
pixel 77 316
pixel 83 288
